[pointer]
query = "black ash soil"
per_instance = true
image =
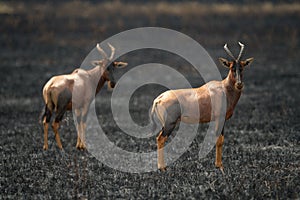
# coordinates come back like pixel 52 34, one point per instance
pixel 262 140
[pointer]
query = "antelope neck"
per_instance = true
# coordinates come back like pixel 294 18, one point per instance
pixel 229 85
pixel 229 81
pixel 95 73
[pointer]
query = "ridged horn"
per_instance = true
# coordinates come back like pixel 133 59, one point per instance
pixel 228 51
pixel 104 55
pixel 112 51
pixel 241 51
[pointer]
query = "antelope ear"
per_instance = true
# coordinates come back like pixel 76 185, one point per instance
pixel 224 62
pixel 109 87
pixel 120 64
pixel 247 62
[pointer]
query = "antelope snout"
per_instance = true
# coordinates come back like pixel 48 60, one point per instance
pixel 239 85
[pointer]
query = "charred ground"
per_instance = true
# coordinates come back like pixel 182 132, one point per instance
pixel 262 140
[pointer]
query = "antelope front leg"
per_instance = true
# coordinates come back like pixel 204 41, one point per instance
pixel 83 126
pixel 82 136
pixel 219 145
pixel 78 126
pixel 160 151
pixel 78 135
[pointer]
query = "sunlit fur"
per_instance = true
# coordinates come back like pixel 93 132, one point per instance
pixel 59 97
pixel 167 102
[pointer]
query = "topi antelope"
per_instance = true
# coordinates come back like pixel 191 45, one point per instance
pixel 169 111
pixel 58 93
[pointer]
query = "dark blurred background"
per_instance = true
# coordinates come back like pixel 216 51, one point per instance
pixel 40 39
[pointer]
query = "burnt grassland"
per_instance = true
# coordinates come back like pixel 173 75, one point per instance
pixel 262 140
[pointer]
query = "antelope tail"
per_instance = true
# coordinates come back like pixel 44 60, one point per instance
pixel 154 113
pixel 42 114
pixel 151 117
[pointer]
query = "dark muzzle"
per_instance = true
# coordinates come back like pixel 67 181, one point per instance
pixel 239 85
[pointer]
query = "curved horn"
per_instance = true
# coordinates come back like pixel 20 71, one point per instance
pixel 104 55
pixel 112 51
pixel 228 51
pixel 241 51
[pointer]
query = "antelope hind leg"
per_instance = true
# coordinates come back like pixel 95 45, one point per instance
pixel 46 126
pixel 160 151
pixel 55 127
pixel 46 120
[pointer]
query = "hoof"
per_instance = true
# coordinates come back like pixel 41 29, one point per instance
pixel 162 169
pixel 220 166
pixel 45 147
pixel 222 170
pixel 81 146
pixel 78 147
